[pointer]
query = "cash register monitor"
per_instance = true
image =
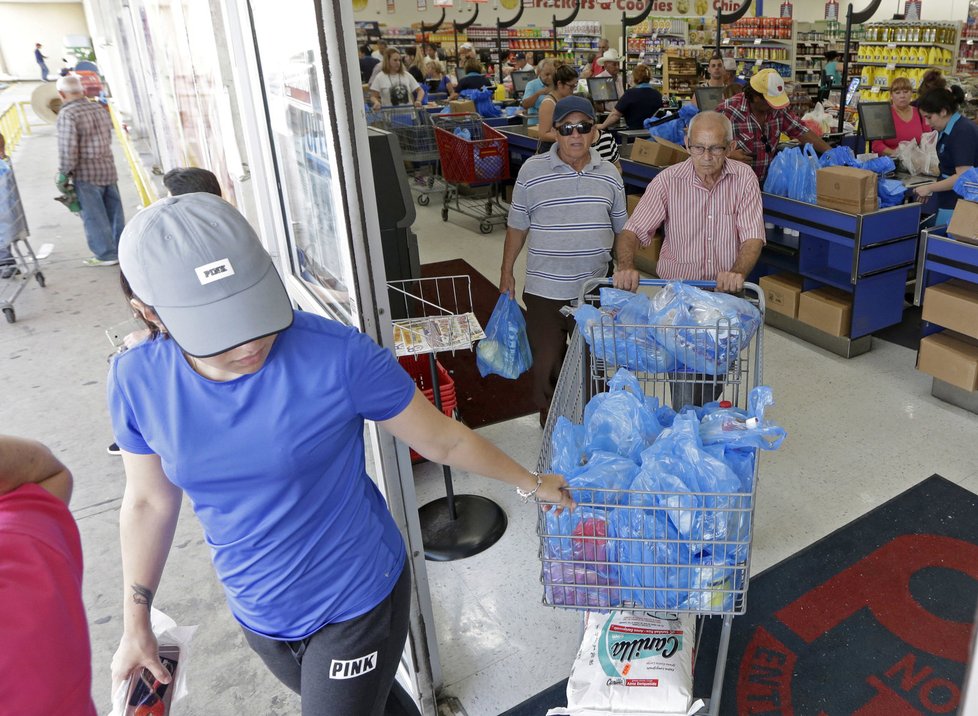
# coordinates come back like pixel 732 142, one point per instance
pixel 876 121
pixel 854 83
pixel 707 98
pixel 520 80
pixel 602 89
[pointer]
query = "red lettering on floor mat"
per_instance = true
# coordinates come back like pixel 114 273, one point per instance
pixel 764 682
pixel 881 582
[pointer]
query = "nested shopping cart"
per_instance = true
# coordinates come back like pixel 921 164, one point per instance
pixel 474 160
pixel 415 134
pixel 626 549
pixel 21 265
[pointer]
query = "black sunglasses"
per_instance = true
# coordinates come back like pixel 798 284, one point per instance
pixel 566 130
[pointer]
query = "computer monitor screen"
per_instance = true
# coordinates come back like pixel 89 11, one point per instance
pixel 853 88
pixel 876 121
pixel 520 80
pixel 602 89
pixel 707 98
pixel 459 72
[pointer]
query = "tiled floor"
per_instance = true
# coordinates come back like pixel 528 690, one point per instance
pixel 860 431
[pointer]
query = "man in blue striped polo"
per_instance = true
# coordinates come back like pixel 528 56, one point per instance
pixel 568 205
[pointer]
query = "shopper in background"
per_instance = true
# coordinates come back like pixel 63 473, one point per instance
pixel 610 62
pixel 957 146
pixel 438 81
pixel 568 205
pixel 933 79
pixel 46 659
pixel 639 102
pixel 412 60
pixel 311 560
pixel 39 59
pixel 906 118
pixel 716 74
pixel 759 116
pixel 831 74
pixel 474 78
pixel 393 85
pixel 379 50
pixel 367 63
pixel 565 82
pixel 85 159
pixel 465 52
pixel 730 67
pixel 713 227
pixel 536 90
pixel 596 68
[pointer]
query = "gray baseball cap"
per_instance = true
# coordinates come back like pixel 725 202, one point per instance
pixel 196 260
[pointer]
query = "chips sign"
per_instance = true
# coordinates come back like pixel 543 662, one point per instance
pixel 678 7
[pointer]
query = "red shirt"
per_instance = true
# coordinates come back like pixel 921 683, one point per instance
pixel 905 131
pixel 755 140
pixel 704 228
pixel 46 657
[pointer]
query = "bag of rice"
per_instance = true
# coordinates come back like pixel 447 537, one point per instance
pixel 633 663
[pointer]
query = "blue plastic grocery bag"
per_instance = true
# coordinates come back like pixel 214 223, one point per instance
pixel 620 420
pixel 747 429
pixel 967 185
pixel 505 350
pixel 567 447
pixel 703 331
pixel 628 346
pixel 838 157
pixel 880 165
pixel 776 181
pixel 673 131
pixel 891 192
pixel 801 178
pixel 482 98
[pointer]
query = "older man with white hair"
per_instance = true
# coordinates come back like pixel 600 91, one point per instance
pixel 714 228
pixel 85 160
pixel 711 209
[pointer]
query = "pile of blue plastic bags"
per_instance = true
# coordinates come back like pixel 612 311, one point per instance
pixel 664 501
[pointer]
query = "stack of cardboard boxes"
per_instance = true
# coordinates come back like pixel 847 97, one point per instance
pixel 951 355
pixel 827 309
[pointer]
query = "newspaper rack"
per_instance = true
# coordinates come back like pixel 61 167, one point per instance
pixel 431 316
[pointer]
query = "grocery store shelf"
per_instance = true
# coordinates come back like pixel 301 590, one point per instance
pixel 899 64
pixel 909 44
pixel 809 71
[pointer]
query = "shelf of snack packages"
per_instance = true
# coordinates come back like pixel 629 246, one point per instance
pixel 901 53
pixel 680 75
pixel 812 41
pixel 968 50
pixel 580 39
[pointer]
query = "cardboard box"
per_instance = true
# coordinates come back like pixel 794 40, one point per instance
pixel 533 131
pixel 827 309
pixel 631 201
pixel 954 305
pixel 461 105
pixel 647 257
pixel 782 292
pixel 964 222
pixel 847 189
pixel 657 153
pixel 950 357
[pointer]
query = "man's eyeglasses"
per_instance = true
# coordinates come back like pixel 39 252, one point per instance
pixel 697 150
pixel 566 130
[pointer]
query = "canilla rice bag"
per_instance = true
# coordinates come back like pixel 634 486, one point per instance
pixel 634 663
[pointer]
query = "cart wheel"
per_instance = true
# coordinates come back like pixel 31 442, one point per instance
pixel 9 313
pixel 39 277
pixel 424 199
pixel 444 214
pixel 485 227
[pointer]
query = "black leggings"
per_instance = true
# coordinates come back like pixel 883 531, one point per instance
pixel 347 668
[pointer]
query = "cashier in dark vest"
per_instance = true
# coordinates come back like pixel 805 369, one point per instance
pixel 957 146
pixel 759 116
pixel 711 211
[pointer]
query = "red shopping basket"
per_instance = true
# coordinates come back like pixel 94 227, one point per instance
pixel 470 151
pixel 420 371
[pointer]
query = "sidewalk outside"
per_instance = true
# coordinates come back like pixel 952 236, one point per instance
pixel 55 361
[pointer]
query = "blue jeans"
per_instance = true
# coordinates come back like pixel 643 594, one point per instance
pixel 44 71
pixel 101 212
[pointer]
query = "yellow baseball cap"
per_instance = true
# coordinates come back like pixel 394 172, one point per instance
pixel 770 84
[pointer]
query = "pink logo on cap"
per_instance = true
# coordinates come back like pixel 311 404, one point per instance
pixel 774 84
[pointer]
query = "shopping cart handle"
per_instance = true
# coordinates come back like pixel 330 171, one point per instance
pixel 593 283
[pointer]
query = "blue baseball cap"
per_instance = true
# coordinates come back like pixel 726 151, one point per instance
pixel 569 105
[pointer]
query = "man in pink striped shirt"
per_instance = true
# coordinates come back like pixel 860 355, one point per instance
pixel 711 209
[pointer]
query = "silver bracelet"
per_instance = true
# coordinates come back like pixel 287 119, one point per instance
pixel 527 494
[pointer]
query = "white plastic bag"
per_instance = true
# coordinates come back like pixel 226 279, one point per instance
pixel 172 639
pixel 634 664
pixel 928 143
pixel 816 119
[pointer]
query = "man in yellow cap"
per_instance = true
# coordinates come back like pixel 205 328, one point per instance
pixel 759 116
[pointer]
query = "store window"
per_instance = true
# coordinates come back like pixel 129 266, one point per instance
pixel 288 43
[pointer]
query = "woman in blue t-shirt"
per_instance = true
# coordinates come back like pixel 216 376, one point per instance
pixel 638 103
pixel 474 78
pixel 957 146
pixel 256 412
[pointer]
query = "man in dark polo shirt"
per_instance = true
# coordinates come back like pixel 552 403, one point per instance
pixel 568 206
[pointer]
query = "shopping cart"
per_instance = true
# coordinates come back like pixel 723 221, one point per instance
pixel 619 551
pixel 474 160
pixel 415 134
pixel 22 264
